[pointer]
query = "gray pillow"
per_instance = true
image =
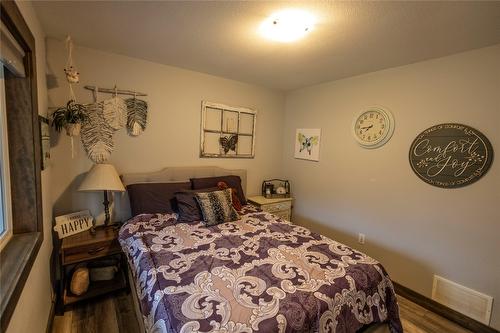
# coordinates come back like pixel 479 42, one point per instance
pixel 150 198
pixel 217 207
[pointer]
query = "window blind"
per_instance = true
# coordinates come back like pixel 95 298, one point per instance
pixel 11 53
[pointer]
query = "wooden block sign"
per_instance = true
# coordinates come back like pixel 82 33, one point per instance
pixel 70 224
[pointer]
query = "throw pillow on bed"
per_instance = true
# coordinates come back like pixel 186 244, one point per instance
pixel 187 206
pixel 234 197
pixel 233 182
pixel 216 207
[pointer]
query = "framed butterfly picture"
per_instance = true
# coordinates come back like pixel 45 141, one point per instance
pixel 307 141
pixel 227 131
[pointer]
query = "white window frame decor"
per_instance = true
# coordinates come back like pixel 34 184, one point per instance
pixel 241 125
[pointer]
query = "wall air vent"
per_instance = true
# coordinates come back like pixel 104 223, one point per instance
pixel 469 302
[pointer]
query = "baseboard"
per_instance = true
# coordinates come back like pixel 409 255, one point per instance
pixel 443 311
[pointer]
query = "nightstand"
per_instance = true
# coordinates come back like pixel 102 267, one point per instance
pixel 281 207
pixel 85 248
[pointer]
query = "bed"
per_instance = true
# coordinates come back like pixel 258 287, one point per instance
pixel 257 274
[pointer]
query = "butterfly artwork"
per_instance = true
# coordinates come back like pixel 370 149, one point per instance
pixel 228 143
pixel 307 144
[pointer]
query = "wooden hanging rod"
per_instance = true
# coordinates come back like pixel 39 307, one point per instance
pixel 114 90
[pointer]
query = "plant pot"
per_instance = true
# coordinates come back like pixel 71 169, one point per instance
pixel 73 129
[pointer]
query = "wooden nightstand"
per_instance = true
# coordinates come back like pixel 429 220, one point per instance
pixel 87 248
pixel 281 207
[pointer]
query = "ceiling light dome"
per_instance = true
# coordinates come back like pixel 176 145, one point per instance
pixel 287 25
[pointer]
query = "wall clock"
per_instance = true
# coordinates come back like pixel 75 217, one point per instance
pixel 373 127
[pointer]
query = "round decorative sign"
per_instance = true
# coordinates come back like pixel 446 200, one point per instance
pixel 451 155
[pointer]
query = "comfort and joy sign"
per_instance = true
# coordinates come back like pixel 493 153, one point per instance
pixel 450 155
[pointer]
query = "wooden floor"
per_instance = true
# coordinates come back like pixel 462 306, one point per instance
pixel 115 314
pixel 416 319
pixel 111 314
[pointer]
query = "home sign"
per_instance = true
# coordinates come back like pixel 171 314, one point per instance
pixel 451 155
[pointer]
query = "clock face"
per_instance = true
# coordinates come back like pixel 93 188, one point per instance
pixel 373 127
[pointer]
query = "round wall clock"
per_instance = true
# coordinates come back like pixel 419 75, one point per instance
pixel 373 127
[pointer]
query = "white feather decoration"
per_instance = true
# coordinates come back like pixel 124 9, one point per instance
pixel 97 134
pixel 115 112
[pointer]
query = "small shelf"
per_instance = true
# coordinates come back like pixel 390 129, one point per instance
pixel 96 288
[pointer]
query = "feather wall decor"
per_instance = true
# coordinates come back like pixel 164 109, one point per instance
pixel 97 134
pixel 115 112
pixel 137 114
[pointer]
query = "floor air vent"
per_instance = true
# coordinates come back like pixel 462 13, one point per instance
pixel 471 303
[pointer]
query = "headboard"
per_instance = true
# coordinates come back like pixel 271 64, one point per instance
pixel 179 174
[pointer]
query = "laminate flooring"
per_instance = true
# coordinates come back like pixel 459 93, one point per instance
pixel 115 314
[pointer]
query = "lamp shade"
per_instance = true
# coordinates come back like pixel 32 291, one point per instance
pixel 100 178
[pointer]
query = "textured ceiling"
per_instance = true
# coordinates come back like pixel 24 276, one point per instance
pixel 221 38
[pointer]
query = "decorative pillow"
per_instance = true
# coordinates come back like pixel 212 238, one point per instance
pixel 216 207
pixel 233 182
pixel 234 197
pixel 188 207
pixel 154 197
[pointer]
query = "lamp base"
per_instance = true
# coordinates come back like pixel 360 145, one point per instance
pixel 106 208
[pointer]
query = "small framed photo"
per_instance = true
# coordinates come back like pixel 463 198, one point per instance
pixel 307 142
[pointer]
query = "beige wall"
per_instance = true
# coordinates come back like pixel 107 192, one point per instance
pixel 32 309
pixel 173 130
pixel 414 229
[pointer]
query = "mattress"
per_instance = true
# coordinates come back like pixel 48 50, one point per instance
pixel 257 274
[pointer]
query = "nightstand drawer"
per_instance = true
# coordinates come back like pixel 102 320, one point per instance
pixel 90 251
pixel 284 214
pixel 276 207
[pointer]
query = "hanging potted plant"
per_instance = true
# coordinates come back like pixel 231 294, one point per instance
pixel 70 117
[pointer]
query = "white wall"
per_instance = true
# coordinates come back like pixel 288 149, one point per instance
pixel 32 310
pixel 414 229
pixel 173 130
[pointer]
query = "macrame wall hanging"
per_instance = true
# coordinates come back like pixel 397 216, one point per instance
pixel 107 116
pixel 71 116
pixel 97 134
pixel 137 115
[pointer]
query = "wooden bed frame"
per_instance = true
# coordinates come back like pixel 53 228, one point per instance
pixel 180 174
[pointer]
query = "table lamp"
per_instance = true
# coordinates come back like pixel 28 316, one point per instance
pixel 102 177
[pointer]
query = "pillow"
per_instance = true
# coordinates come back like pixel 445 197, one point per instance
pixel 154 197
pixel 188 207
pixel 234 197
pixel 216 207
pixel 233 182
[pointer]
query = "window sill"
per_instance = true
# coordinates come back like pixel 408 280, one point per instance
pixel 16 260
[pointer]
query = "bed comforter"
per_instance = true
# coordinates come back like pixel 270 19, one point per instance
pixel 258 274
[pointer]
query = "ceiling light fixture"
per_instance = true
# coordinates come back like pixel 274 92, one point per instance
pixel 287 26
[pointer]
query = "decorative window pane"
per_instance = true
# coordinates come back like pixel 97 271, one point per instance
pixel 246 123
pixel 213 119
pixel 227 131
pixel 211 143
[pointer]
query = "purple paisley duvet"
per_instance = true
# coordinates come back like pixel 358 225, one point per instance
pixel 258 274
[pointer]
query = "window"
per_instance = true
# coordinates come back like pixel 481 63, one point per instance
pixel 20 159
pixel 5 211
